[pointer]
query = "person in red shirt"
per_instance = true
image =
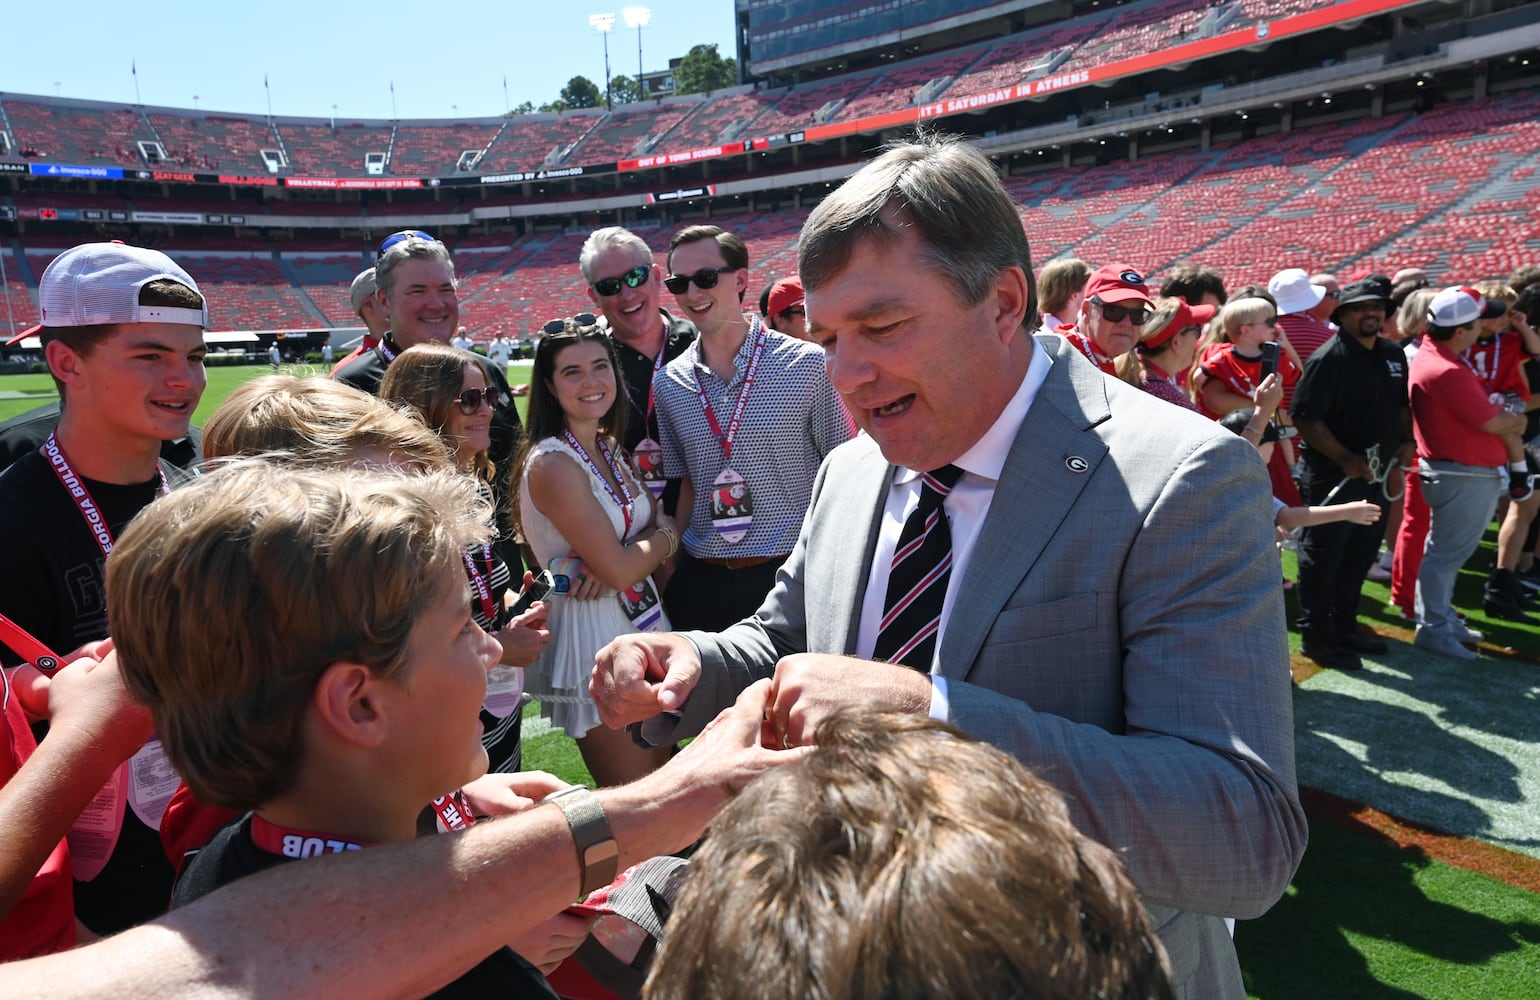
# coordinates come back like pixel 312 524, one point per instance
pixel 1461 450
pixel 1229 370
pixel 1116 304
pixel 1501 346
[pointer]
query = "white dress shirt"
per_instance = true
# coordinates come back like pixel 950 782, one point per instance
pixel 966 507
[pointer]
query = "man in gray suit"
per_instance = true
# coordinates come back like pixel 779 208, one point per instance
pixel 1106 604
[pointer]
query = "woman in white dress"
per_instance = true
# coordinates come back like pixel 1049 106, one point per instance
pixel 582 506
pixel 449 390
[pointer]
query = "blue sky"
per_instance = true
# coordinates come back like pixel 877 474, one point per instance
pixel 447 59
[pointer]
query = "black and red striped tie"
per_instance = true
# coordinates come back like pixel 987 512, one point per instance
pixel 922 565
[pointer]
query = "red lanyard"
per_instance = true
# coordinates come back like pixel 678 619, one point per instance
pixel 24 643
pixel 454 813
pixel 624 500
pixel 757 331
pixel 290 843
pixel 76 487
pixel 483 583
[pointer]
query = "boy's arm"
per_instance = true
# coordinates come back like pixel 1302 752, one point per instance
pixel 94 727
pixel 404 919
pixel 1359 512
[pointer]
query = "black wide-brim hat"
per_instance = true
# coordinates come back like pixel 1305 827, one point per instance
pixel 1376 287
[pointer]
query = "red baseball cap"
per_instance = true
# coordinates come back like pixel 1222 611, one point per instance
pixel 1117 282
pixel 1184 316
pixel 785 294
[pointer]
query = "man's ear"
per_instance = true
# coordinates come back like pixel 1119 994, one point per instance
pixel 1012 297
pixel 64 362
pixel 350 703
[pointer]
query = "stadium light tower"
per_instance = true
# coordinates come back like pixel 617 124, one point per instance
pixel 604 24
pixel 637 17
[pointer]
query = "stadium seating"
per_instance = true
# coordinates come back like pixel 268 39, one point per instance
pixel 618 136
pixel 221 143
pixel 73 135
pixel 435 150
pixel 324 151
pixel 526 141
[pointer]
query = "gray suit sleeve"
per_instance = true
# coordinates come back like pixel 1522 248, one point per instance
pixel 1198 789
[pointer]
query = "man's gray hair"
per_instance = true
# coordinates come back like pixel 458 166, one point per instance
pixel 609 238
pixel 410 248
pixel 944 188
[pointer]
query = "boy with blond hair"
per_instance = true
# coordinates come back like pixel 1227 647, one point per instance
pixel 345 695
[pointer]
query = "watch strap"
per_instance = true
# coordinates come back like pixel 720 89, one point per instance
pixel 598 856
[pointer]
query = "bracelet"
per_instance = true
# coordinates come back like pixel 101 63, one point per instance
pixel 673 541
pixel 598 856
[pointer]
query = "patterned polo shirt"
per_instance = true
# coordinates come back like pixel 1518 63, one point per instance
pixel 792 419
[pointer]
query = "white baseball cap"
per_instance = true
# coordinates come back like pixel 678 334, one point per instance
pixel 1294 292
pixel 1454 307
pixel 99 283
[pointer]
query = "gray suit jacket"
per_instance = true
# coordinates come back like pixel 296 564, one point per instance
pixel 1120 628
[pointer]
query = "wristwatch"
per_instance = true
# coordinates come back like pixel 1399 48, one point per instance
pixel 598 856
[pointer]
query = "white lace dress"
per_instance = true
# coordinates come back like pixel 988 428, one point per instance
pixel 578 628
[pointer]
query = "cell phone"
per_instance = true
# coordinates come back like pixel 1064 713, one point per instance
pixel 539 588
pixel 1269 358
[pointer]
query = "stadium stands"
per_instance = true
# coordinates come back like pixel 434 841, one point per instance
pixel 324 151
pixel 221 143
pixel 435 150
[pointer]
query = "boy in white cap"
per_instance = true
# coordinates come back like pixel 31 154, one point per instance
pixel 122 332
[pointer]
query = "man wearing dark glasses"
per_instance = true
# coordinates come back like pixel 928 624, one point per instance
pixel 624 283
pixel 417 290
pixel 1009 547
pixel 747 415
pixel 1115 306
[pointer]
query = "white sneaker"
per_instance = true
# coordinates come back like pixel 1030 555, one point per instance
pixel 1445 643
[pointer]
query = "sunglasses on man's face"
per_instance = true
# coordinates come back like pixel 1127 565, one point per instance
pixel 1117 314
pixel 470 399
pixel 634 278
pixel 404 235
pixel 581 320
pixel 704 279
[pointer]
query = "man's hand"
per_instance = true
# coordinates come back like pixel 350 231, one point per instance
pixel 808 687
pixel 734 748
pixel 504 794
pixel 1355 466
pixel 637 676
pixel 1406 455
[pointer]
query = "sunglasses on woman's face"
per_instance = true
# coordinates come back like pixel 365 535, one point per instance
pixel 706 277
pixel 634 278
pixel 470 399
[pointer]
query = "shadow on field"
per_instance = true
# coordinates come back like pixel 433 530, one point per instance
pixel 1355 923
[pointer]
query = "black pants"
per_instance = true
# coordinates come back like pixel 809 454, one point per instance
pixel 710 598
pixel 1334 559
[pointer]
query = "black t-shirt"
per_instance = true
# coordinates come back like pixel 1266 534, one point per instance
pixel 27 431
pixel 53 586
pixel 231 854
pixel 1359 393
pixel 637 370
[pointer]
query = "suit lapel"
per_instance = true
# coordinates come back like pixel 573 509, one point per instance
pixel 1050 463
pixel 861 502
